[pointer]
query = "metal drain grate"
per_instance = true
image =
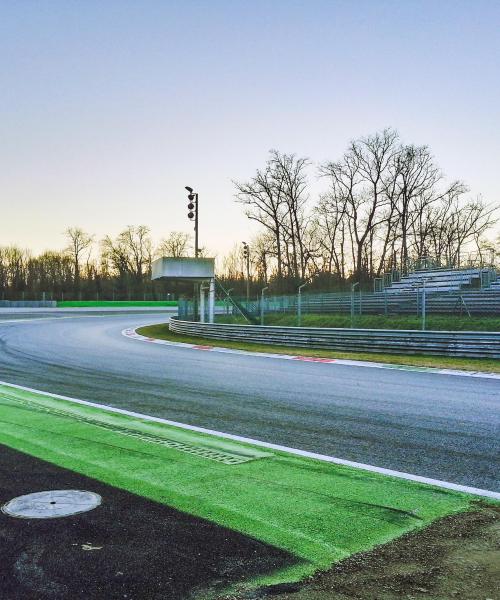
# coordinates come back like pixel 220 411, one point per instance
pixel 222 456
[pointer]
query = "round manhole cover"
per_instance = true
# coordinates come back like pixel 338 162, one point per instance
pixel 52 504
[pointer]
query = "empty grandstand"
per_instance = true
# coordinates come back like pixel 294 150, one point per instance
pixel 445 280
pixel 472 291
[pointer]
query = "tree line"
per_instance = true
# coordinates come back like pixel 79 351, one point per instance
pixel 119 270
pixel 385 206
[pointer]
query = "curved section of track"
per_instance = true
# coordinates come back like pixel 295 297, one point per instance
pixel 437 426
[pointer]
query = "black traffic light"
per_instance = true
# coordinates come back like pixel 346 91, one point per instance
pixel 246 250
pixel 193 215
pixel 191 206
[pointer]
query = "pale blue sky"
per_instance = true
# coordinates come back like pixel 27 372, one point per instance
pixel 107 109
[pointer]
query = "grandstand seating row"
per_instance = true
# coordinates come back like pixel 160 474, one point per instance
pixel 471 291
pixel 441 280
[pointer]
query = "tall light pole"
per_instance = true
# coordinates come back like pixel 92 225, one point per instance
pixel 246 255
pixel 193 215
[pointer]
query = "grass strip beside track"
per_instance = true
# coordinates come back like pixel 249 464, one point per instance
pixel 433 322
pixel 162 332
pixel 114 303
pixel 319 512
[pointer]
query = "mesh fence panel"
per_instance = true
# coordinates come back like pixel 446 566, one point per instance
pixel 440 298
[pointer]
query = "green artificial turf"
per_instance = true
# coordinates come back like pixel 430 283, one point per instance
pixel 318 511
pixel 492 365
pixel 116 303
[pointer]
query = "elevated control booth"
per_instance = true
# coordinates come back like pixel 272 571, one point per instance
pixel 196 270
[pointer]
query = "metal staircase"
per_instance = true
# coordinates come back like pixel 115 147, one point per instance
pixel 251 318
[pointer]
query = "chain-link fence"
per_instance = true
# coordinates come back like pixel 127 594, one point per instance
pixel 427 298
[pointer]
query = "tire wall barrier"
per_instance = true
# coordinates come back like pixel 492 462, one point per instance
pixel 441 343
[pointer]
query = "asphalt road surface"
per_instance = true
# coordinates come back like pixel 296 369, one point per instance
pixel 438 426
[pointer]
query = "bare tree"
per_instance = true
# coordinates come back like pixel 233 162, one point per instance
pixel 131 252
pixel 175 245
pixel 78 242
pixel 290 172
pixel 275 197
pixel 457 222
pixel 265 203
pixel 410 187
pixel 359 182
pixel 329 231
pixel 232 264
pixel 261 256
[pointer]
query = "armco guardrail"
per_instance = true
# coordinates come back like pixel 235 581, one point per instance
pixel 444 343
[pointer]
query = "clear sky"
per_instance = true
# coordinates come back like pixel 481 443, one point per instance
pixel 108 109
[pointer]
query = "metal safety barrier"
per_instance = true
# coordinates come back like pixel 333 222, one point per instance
pixel 474 344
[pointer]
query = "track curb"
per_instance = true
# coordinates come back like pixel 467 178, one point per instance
pixel 132 334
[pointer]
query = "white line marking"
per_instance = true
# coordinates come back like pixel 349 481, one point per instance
pixel 132 333
pixel 238 438
pixel 86 316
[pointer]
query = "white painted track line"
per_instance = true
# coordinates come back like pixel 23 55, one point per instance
pixel 297 452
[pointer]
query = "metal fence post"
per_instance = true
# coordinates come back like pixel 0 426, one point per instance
pixel 262 305
pixel 423 304
pixel 299 304
pixel 211 300
pixel 299 308
pixel 202 302
pixel 353 287
pixel 227 300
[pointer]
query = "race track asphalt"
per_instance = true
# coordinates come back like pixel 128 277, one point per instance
pixel 435 425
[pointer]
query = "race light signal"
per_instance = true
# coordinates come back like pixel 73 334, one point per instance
pixel 191 206
pixel 193 215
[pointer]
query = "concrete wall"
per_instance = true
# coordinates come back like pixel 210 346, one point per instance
pixel 187 269
pixel 28 303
